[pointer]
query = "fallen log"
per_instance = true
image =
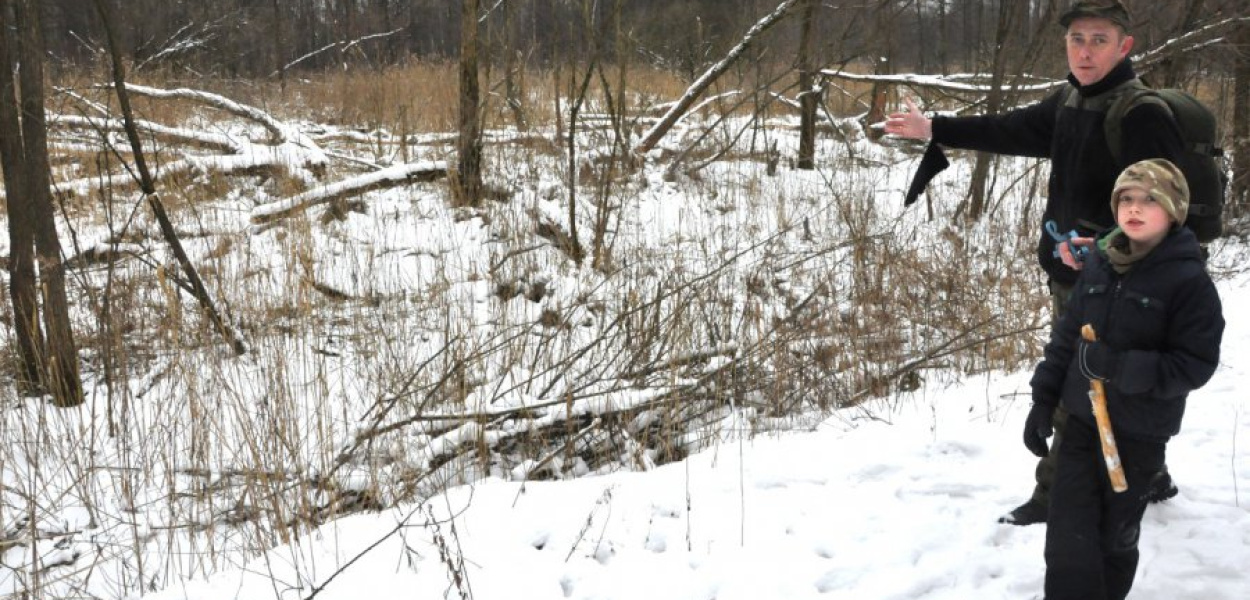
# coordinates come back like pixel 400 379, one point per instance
pixel 389 177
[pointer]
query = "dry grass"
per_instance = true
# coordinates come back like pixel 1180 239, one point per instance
pixel 367 385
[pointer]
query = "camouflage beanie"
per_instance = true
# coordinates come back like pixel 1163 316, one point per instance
pixel 1162 181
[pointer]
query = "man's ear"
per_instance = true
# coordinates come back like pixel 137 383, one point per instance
pixel 1126 46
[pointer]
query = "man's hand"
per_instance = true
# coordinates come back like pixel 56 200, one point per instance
pixel 1065 251
pixel 910 124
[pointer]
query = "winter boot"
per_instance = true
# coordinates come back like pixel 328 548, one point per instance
pixel 1026 514
pixel 1161 487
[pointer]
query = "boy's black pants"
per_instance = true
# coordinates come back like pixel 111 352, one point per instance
pixel 1091 531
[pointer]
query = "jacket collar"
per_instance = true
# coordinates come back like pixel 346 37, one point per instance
pixel 1121 73
pixel 1180 243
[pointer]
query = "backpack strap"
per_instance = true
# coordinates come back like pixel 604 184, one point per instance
pixel 1129 97
pixel 1114 104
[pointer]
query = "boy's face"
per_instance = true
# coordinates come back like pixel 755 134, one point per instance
pixel 1143 219
pixel 1095 46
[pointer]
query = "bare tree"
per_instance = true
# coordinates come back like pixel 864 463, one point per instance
pixel 56 363
pixel 1173 67
pixel 1239 196
pixel 708 77
pixel 148 185
pixel 513 71
pixel 808 98
pixel 1008 15
pixel 470 143
pixel 23 284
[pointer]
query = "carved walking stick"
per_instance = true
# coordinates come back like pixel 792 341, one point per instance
pixel 1098 396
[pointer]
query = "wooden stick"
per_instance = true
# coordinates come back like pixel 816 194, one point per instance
pixel 1098 396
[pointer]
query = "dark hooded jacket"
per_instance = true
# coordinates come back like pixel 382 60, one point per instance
pixel 1083 169
pixel 1164 323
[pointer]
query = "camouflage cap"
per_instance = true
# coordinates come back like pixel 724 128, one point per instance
pixel 1162 180
pixel 1111 10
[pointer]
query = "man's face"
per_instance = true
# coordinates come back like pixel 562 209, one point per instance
pixel 1095 46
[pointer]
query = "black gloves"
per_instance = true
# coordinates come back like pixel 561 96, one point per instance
pixel 1038 426
pixel 934 162
pixel 1097 360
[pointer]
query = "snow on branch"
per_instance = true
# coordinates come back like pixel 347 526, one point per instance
pixel 388 177
pixel 1197 39
pixel 287 149
pixel 938 82
pixel 279 132
pixel 343 45
pixel 658 130
pixel 186 136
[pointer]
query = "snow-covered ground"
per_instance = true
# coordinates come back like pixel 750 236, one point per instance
pixel 896 504
pixel 896 498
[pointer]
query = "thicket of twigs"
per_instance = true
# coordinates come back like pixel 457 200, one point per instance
pixel 399 342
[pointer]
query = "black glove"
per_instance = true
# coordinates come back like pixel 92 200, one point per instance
pixel 934 162
pixel 1038 426
pixel 1097 360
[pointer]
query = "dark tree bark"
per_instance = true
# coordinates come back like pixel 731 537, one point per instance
pixel 60 361
pixel 148 185
pixel 1008 16
pixel 1239 193
pixel 470 143
pixel 513 70
pixel 23 283
pixel 807 97
pixel 1173 68
pixel 709 76
pixel 941 38
pixel 279 46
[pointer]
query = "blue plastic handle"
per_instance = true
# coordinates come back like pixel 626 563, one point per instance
pixel 1078 252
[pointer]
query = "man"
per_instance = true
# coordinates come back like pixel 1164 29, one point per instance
pixel 1067 128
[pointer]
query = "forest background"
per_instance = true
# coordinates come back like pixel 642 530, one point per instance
pixel 308 259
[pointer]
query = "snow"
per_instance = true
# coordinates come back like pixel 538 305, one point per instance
pixel 897 498
pixel 894 505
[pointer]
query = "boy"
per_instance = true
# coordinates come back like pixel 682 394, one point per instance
pixel 1159 323
pixel 1083 167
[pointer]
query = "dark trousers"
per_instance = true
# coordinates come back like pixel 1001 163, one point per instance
pixel 1045 472
pixel 1092 531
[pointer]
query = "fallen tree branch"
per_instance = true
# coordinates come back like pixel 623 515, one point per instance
pixel 265 159
pixel 938 82
pixel 156 130
pixel 279 132
pixel 657 132
pixel 389 177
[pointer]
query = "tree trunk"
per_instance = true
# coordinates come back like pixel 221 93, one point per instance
pixel 148 185
pixel 279 47
pixel 1007 18
pixel 807 97
pixel 61 360
pixel 941 38
pixel 1239 193
pixel 470 143
pixel 1173 68
pixel 513 92
pixel 23 283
